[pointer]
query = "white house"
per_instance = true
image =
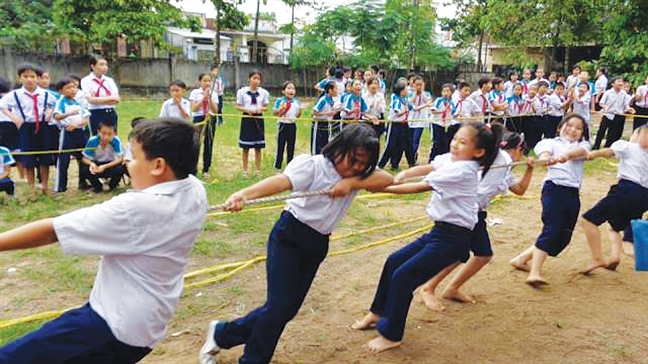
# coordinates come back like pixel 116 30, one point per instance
pixel 273 47
pixel 198 45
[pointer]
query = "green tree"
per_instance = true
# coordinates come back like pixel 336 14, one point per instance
pixel 28 25
pixel 227 17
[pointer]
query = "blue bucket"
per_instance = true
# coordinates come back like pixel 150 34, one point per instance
pixel 640 235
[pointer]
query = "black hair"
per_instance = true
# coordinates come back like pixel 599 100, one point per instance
pixel 339 73
pixel 512 73
pixel 512 140
pixel 359 70
pixel 108 124
pixel 24 67
pixel 255 72
pixel 353 137
pixel 64 82
pixel 328 86
pixel 215 65
pixel 417 78
pixel 578 116
pixel 613 80
pixel 170 139
pixel 136 120
pixel 399 86
pixel 371 80
pixel 374 68
pixel 411 75
pixel 346 69
pixel 75 77
pixel 575 66
pixel 496 81
pixel 542 83
pixel 285 84
pixel 463 84
pixel 559 84
pixel 447 85
pixel 178 83
pixel 42 71
pixel 200 76
pixel 382 73
pixel 482 81
pixel 488 138
pixel 586 84
pixel 5 85
pixel 94 58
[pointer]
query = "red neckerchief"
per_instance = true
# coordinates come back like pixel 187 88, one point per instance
pixel 101 86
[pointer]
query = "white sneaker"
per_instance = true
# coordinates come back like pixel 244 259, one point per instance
pixel 209 350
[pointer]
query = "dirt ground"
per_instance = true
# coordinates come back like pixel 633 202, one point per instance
pixel 576 319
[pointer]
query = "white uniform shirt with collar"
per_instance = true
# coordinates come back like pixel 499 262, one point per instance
pixel 197 96
pixel 570 173
pixel 528 105
pixel 581 106
pixel 312 173
pixel 455 186
pixel 170 109
pixel 444 108
pixel 245 100
pixel 481 100
pixel 496 182
pixel 555 103
pixel 497 97
pixel 288 116
pixel 8 101
pixel 616 103
pixel 601 85
pixel 421 117
pixel 509 88
pixel 642 92
pixel 535 81
pixel 145 239
pixel 633 162
pixel 92 89
pixel 464 108
pixel 399 109
pixel 376 103
pixel 541 104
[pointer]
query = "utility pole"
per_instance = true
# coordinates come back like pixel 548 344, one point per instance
pixel 255 44
pixel 413 37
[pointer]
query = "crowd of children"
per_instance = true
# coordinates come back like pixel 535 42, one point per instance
pixel 139 281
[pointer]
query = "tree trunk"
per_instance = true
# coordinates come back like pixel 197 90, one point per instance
pixel 255 45
pixel 217 41
pixel 292 31
pixel 566 66
pixel 479 50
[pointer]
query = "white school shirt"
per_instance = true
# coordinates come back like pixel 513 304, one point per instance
pixel 615 102
pixel 572 81
pixel 245 100
pixel 376 103
pixel 633 162
pixel 8 102
pixel 324 104
pixel 541 104
pixel 482 101
pixel 464 108
pixel 535 81
pixel 170 109
pixel 312 173
pixel 197 96
pixel 601 85
pixel 454 199
pixel 508 88
pixel 64 106
pixel 288 116
pixel 515 105
pixel 422 115
pixel 642 92
pixel 91 88
pixel 445 106
pixel 581 106
pixel 144 239
pixel 570 173
pixel 6 160
pixel 496 97
pixel 219 86
pixel 528 104
pixel 398 106
pixel 555 103
pixel 496 182
pixel 81 98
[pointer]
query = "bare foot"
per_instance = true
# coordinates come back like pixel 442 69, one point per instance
pixel 381 344
pixel 367 322
pixel 628 249
pixel 595 264
pixel 431 301
pixel 454 295
pixel 613 264
pixel 519 265
pixel 536 281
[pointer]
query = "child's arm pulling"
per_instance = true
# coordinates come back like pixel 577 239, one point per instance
pixel 376 182
pixel 31 235
pixel 267 187
pixel 600 153
pixel 522 185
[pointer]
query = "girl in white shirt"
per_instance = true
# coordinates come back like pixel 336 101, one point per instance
pixel 253 101
pixel 565 156
pixel 375 100
pixel 453 207
pixel 299 241
pixel 288 108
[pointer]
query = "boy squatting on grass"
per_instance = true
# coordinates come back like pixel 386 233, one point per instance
pixel 144 236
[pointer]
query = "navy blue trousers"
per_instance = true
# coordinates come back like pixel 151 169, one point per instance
pixel 79 336
pixel 74 139
pixel 399 142
pixel 624 202
pixel 286 136
pixel 551 126
pixel 105 116
pixel 452 130
pixel 439 142
pixel 560 207
pixel 416 133
pixel 295 252
pixel 411 266
pixel 319 136
pixel 209 129
pixel 7 185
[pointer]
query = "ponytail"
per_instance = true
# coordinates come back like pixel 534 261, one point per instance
pixel 489 137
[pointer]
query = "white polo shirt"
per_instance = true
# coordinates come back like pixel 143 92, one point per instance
pixel 570 173
pixel 312 173
pixel 145 239
pixel 496 181
pixel 615 103
pixel 171 110
pixel 633 164
pixel 454 200
pixel 99 87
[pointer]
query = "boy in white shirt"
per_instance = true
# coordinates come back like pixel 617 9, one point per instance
pixel 151 232
pixel 177 106
pixel 614 104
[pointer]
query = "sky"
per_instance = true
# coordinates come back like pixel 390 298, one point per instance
pixel 281 10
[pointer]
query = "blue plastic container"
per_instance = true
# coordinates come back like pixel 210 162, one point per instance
pixel 640 237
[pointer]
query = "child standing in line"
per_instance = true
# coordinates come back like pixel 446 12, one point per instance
pixel 615 102
pixel 526 80
pixel 30 109
pixel 530 127
pixel 399 140
pixel 6 161
pixel 453 208
pixel 496 182
pixel 509 85
pixel 421 102
pixel 497 100
pixel 177 106
pixel 101 93
pixel 299 240
pixel 8 130
pixel 442 111
pixel 219 90
pixel 102 158
pixel 580 102
pixel 375 100
pixel 541 108
pixel 557 103
pixel 640 99
pixel 204 105
pixel 323 113
pixel 139 281
pixel 565 156
pixel 480 96
pixel 288 108
pixel 464 109
pixel 515 110
pixel 353 105
pixel 625 201
pixel 73 120
pixel 319 86
pixel 253 101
